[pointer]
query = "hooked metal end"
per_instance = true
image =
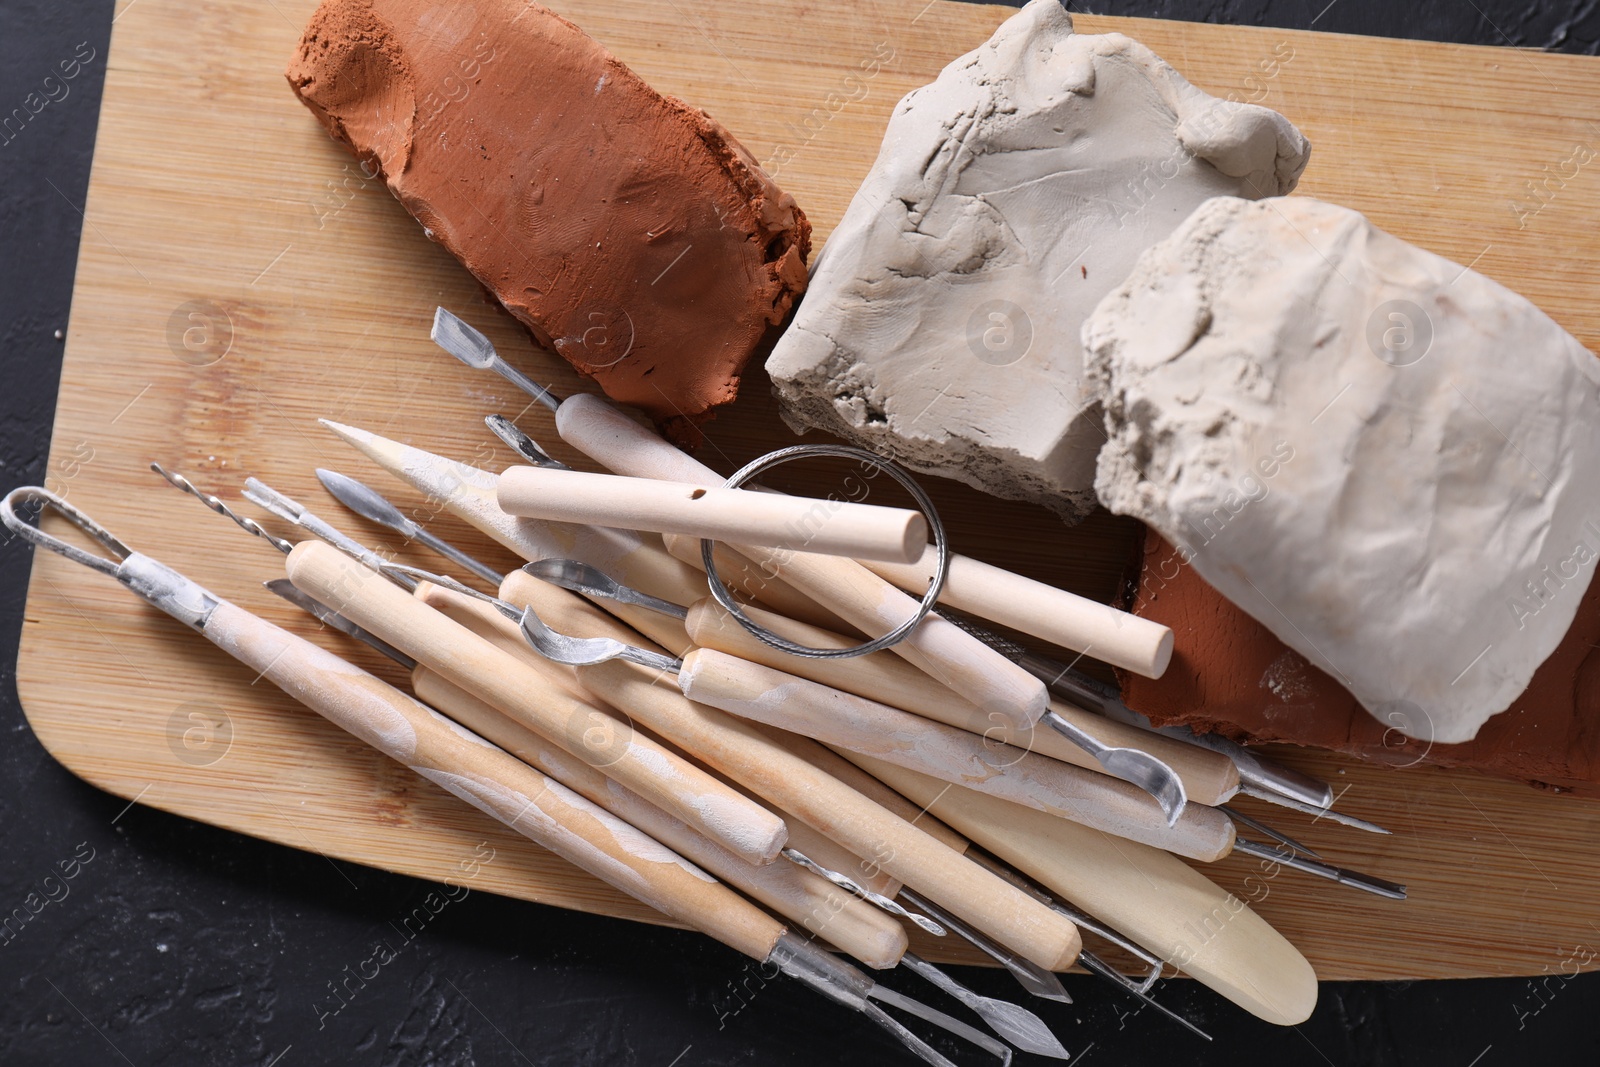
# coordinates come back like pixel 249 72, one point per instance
pixel 524 445
pixel 215 503
pixel 10 513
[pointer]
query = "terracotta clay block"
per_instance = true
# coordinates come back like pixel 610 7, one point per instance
pixel 627 230
pixel 1229 674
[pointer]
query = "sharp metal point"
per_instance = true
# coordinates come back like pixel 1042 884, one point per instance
pixel 1273 797
pixel 1353 879
pixel 1260 827
pixel 216 504
pixel 1096 966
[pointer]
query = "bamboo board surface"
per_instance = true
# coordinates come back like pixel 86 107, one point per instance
pixel 214 192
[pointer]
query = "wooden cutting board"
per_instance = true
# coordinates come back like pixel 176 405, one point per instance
pixel 239 278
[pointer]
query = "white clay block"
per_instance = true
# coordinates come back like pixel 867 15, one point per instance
pixel 1390 461
pixel 941 323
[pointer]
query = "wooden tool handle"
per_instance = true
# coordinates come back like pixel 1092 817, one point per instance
pixel 609 437
pixel 844 720
pixel 799 524
pixel 748 755
pixel 504 681
pixel 570 614
pixel 843 586
pixel 1108 634
pixel 804 899
pixel 496 783
pixel 1208 777
pixel 1154 898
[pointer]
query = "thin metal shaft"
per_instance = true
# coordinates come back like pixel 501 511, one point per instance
pixel 1353 879
pixel 375 507
pixel 216 504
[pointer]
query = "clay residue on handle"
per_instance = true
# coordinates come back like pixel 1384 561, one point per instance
pixel 627 230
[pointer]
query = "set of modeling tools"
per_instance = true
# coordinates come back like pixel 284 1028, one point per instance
pixel 785 722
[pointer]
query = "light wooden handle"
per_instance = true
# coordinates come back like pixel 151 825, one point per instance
pixel 1208 777
pixel 1156 899
pixel 504 681
pixel 799 524
pixel 493 781
pixel 803 898
pixel 844 587
pixel 846 721
pixel 748 755
pixel 610 438
pixel 570 614
pixel 1108 634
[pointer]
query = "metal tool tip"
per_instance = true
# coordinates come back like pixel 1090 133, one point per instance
pixel 451 333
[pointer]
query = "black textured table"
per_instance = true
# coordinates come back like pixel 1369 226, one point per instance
pixel 130 936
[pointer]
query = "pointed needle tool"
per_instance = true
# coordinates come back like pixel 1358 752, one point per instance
pixel 471 347
pixel 1310 809
pixel 372 506
pixel 1353 879
pixel 1011 1021
pixel 1277 835
pixel 524 445
pixel 1096 965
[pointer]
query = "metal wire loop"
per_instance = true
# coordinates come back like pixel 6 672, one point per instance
pixel 924 502
pixel 29 532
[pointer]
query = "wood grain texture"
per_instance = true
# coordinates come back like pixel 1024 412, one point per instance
pixel 212 185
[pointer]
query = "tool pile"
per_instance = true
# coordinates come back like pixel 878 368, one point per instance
pixel 728 752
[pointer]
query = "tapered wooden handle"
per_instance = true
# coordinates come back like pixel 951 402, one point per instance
pixel 847 721
pixel 504 681
pixel 493 781
pixel 829 527
pixel 804 899
pixel 1154 898
pixel 1208 777
pixel 750 756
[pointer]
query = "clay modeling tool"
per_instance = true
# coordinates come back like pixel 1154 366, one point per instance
pixel 797 895
pixel 1260 777
pixel 610 438
pixel 485 776
pixel 469 493
pixel 890 682
pixel 807 845
pixel 490 674
pixel 893 682
pixel 752 691
pixel 423 633
pixel 840 585
pixel 371 505
pixel 799 524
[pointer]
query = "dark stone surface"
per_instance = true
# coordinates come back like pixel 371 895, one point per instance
pixel 180 944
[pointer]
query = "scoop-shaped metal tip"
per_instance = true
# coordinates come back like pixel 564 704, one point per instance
pixel 583 651
pixel 468 344
pixel 524 445
pixel 1150 774
pixel 586 580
